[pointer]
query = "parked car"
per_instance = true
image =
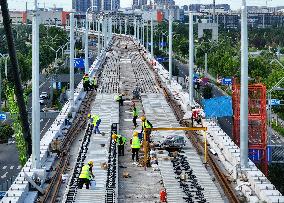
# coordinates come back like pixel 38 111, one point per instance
pixel 175 141
pixel 43 95
pixel 41 100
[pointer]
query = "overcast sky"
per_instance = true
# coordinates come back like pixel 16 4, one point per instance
pixel 235 4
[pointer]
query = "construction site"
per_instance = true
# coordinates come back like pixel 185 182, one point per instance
pixel 181 160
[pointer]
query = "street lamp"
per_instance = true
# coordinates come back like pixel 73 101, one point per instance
pixel 86 41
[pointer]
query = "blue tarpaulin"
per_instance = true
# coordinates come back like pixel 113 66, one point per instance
pixel 218 107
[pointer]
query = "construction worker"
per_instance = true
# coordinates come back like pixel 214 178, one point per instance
pixel 120 141
pixel 90 118
pixel 96 122
pixel 94 83
pixel 118 98
pixel 135 146
pixel 86 175
pixel 86 82
pixel 146 124
pixel 135 115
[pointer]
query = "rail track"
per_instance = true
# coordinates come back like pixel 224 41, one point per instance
pixel 197 143
pixel 78 125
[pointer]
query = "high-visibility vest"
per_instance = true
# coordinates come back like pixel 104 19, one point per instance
pixel 117 97
pixel 85 173
pixel 95 119
pixel 145 124
pixel 135 111
pixel 85 78
pixel 135 143
pixel 118 139
pixel 94 81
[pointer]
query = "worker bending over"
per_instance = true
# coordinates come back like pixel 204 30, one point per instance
pixel 118 98
pixel 120 141
pixel 86 175
pixel 135 146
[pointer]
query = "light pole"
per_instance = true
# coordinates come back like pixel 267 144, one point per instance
pixel 244 89
pixel 99 35
pixel 125 26
pixel 170 46
pixel 87 41
pixel 147 37
pixel 72 47
pixel 191 58
pixel 35 91
pixel 152 36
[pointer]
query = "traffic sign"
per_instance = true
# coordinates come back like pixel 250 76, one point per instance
pixel 3 116
pixel 256 154
pixel 227 81
pixel 79 63
pixel 275 102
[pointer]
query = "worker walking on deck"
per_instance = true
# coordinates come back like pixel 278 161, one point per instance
pixel 135 115
pixel 86 175
pixel 146 124
pixel 120 141
pixel 96 122
pixel 135 146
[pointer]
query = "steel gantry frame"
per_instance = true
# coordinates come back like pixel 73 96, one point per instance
pixel 146 143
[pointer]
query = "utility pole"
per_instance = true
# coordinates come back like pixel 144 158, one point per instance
pixel 244 88
pixel 191 62
pixel 152 36
pixel 35 91
pixel 72 46
pixel 87 44
pixel 170 46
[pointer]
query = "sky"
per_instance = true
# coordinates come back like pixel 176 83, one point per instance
pixel 66 4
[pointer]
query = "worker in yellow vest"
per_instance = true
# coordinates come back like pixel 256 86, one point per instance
pixel 86 175
pixel 96 122
pixel 86 82
pixel 146 124
pixel 135 115
pixel 135 146
pixel 120 141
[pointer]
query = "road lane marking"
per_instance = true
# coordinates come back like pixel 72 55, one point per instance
pixel 4 176
pixel 4 167
pixel 19 167
pixel 12 167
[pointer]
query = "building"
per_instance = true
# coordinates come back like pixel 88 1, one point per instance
pixel 83 5
pixel 207 7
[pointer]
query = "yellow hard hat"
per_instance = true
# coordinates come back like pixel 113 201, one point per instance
pixel 143 118
pixel 135 133
pixel 91 162
pixel 114 136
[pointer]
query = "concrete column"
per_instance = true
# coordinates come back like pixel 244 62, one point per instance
pixel 87 45
pixel 72 48
pixel 191 58
pixel 244 88
pixel 152 38
pixel 35 91
pixel 120 27
pixel 170 46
